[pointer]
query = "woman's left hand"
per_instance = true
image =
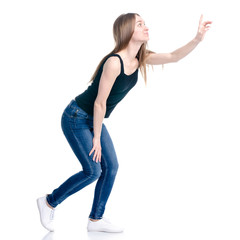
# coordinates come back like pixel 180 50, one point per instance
pixel 202 28
pixel 96 149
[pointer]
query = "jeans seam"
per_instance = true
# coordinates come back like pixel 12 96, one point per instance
pixel 78 144
pixel 103 182
pixel 87 177
pixel 71 189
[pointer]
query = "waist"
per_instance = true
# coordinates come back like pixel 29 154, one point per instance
pixel 73 110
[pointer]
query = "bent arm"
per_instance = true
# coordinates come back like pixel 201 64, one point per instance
pixel 110 72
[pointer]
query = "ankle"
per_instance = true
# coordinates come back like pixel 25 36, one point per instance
pixel 49 205
pixel 94 220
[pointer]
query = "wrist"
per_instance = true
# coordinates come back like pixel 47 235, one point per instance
pixel 197 39
pixel 97 137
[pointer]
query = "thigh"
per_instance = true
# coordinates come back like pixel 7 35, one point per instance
pixel 78 131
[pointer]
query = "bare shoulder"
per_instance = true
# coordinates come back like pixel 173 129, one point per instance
pixel 112 65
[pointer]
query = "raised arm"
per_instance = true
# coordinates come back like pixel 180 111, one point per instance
pixel 111 70
pixel 163 58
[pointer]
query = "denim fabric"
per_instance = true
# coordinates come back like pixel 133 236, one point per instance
pixel 77 127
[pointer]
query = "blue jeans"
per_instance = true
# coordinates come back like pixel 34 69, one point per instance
pixel 77 126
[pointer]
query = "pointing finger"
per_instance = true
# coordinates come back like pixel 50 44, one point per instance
pixel 201 18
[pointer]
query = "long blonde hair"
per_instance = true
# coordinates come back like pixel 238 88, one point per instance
pixel 123 29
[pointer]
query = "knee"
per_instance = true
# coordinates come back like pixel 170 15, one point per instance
pixel 113 169
pixel 94 174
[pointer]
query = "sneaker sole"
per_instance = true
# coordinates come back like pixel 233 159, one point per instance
pixel 105 231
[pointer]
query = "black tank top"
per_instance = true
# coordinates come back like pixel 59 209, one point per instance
pixel 122 85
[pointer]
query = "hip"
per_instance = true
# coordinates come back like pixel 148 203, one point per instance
pixel 76 116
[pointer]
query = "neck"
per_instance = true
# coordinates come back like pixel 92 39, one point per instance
pixel 131 51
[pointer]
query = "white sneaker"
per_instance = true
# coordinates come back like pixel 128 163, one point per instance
pixel 46 213
pixel 49 236
pixel 103 225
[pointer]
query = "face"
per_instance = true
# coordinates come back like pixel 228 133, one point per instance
pixel 140 31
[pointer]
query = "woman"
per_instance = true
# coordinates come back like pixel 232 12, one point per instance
pixel 82 120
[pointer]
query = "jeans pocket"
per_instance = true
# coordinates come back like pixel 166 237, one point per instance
pixel 78 113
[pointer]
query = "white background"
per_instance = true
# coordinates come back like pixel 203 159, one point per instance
pixel 177 139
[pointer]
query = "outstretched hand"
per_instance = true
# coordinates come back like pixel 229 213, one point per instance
pixel 203 27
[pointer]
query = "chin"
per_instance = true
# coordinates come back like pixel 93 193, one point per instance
pixel 146 40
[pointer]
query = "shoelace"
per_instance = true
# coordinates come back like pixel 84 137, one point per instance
pixel 106 220
pixel 52 214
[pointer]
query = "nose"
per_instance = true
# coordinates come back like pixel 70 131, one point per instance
pixel 146 28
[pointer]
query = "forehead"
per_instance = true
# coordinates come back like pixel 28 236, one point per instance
pixel 139 19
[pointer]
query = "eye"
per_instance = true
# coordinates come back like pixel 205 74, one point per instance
pixel 140 24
